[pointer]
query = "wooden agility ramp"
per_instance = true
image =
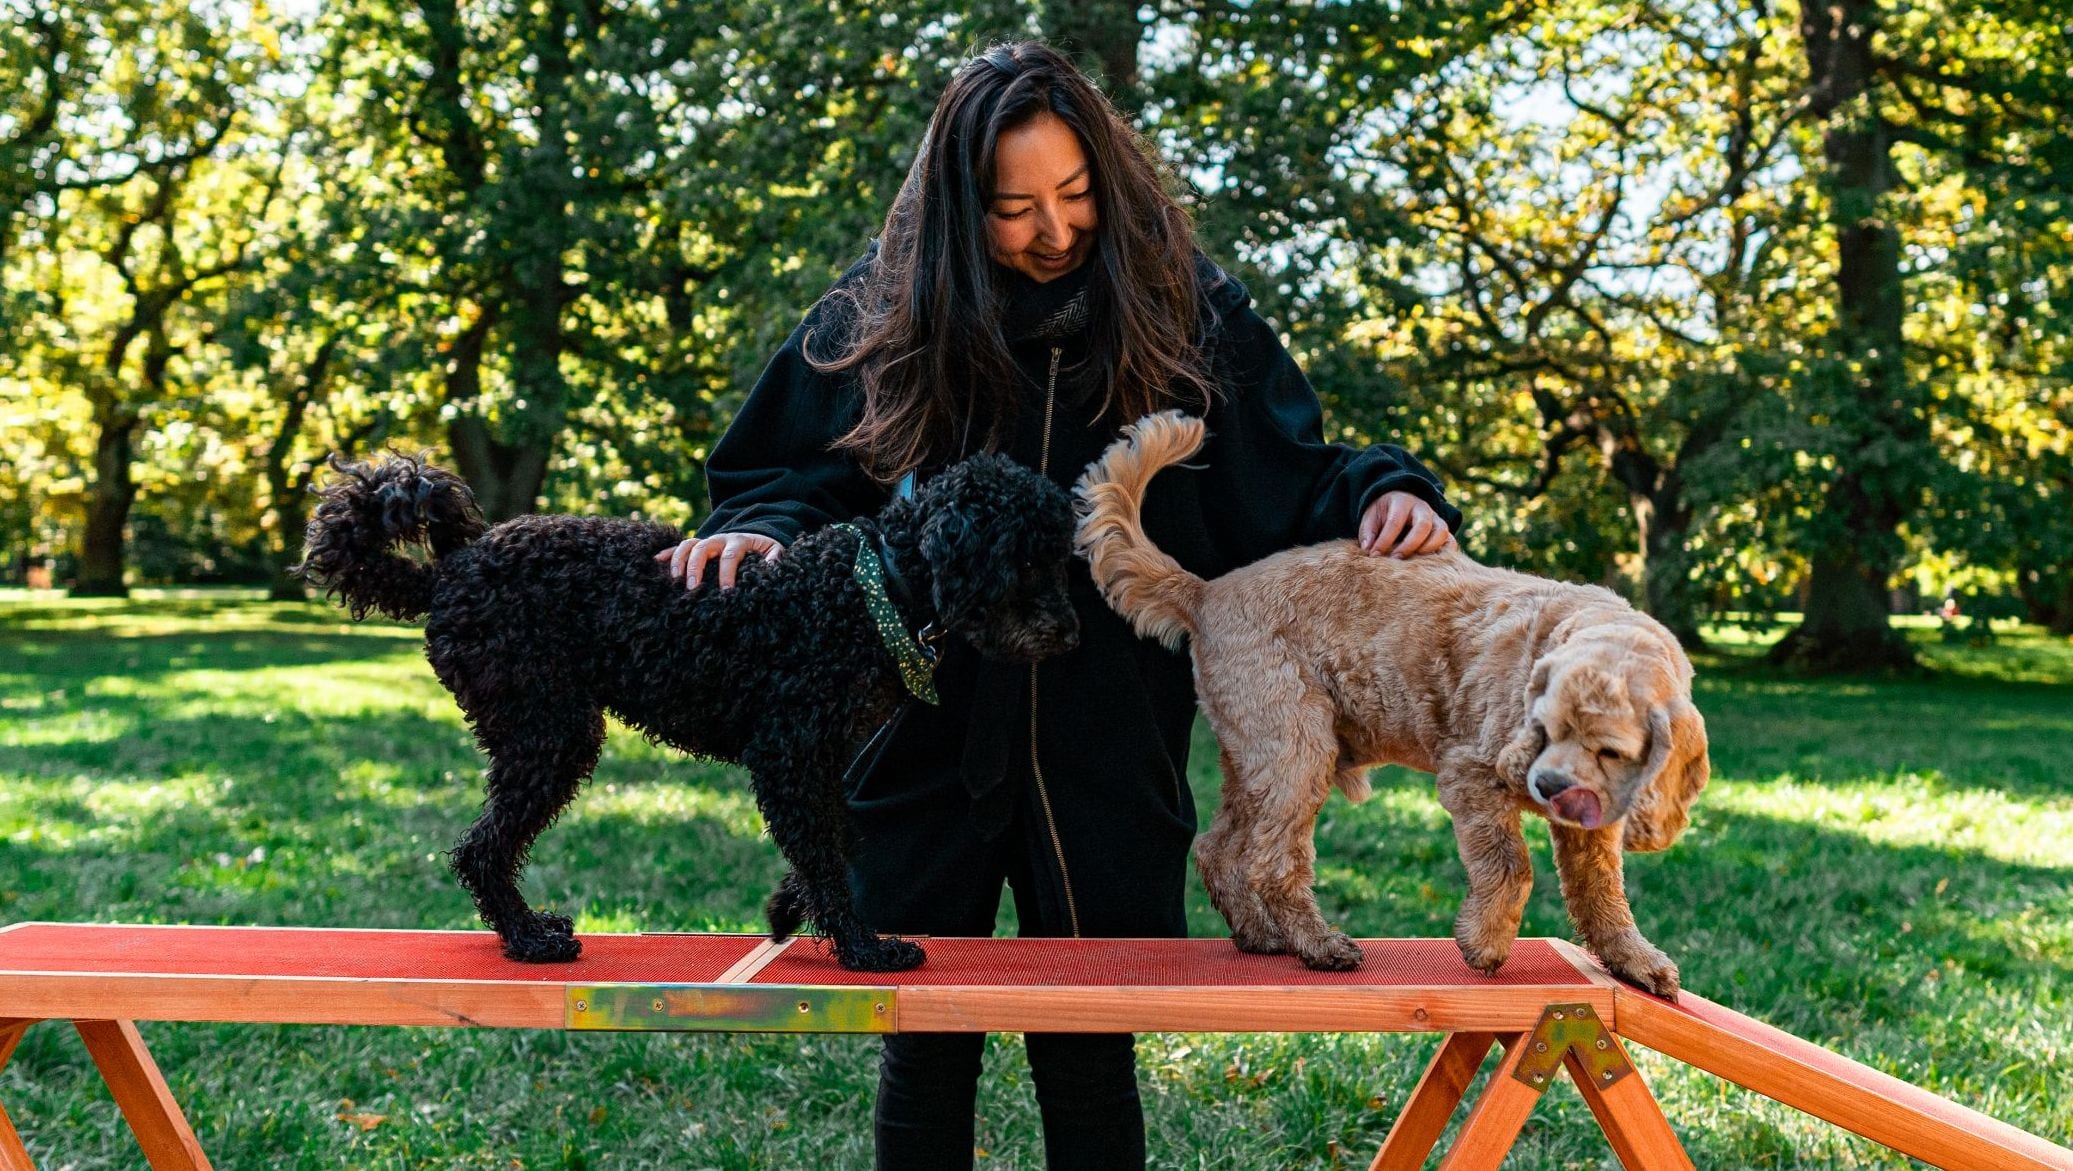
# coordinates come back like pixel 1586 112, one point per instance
pixel 1551 1009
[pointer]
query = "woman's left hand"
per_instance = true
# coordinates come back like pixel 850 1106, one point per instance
pixel 1402 525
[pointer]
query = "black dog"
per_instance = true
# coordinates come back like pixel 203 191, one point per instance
pixel 542 624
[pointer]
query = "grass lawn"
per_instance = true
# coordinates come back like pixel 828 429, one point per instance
pixel 1881 866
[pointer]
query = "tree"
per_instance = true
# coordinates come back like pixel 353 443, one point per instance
pixel 128 161
pixel 630 206
pixel 1906 99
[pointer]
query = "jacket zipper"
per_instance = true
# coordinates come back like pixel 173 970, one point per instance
pixel 1072 910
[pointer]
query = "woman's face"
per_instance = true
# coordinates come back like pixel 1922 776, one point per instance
pixel 1041 217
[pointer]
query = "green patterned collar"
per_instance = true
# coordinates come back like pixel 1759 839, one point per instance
pixel 916 657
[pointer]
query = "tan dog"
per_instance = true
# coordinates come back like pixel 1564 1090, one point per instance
pixel 1317 664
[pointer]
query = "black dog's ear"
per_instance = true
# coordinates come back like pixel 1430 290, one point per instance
pixel 966 537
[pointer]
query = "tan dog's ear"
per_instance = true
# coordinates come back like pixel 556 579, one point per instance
pixel 1529 738
pixel 1677 769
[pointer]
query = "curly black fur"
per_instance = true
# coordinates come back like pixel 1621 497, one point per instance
pixel 542 624
pixel 365 512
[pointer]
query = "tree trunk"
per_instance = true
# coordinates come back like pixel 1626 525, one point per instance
pixel 1662 519
pixel 1667 589
pixel 287 513
pixel 516 462
pixel 506 477
pixel 2047 596
pixel 1846 627
pixel 114 490
pixel 507 470
pixel 108 508
pixel 284 513
pixel 289 516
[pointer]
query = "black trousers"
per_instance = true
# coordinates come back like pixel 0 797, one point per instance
pixel 920 868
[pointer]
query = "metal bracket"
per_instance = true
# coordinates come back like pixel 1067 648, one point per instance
pixel 731 1008
pixel 1566 1028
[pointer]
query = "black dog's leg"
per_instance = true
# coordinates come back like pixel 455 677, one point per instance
pixel 535 768
pixel 798 792
pixel 786 908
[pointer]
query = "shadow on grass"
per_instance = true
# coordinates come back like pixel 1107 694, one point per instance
pixel 1813 929
pixel 52 656
pixel 1949 732
pixel 351 817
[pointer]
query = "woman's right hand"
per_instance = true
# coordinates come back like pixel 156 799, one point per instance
pixel 688 560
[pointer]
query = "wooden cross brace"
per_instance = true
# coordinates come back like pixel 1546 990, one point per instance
pixel 1569 1036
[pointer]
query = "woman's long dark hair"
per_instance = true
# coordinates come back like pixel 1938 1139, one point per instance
pixel 924 329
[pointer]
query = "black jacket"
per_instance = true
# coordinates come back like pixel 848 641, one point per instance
pixel 1103 784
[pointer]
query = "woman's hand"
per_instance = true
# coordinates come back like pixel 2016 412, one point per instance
pixel 687 561
pixel 1402 525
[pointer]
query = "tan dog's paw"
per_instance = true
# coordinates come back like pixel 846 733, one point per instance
pixel 1484 958
pixel 1642 964
pixel 1333 953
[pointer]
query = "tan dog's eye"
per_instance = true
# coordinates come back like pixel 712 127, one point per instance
pixel 1609 754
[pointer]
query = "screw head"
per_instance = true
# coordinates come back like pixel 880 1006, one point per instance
pixel 1608 1075
pixel 803 1007
pixel 1540 1077
pixel 1601 1042
pixel 582 1006
pixel 656 1004
pixel 1540 1046
pixel 1558 1016
pixel 1583 1012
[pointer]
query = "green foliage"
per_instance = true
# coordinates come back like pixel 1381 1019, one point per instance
pixel 1584 258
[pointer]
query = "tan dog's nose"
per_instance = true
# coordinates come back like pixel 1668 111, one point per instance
pixel 1566 799
pixel 1547 784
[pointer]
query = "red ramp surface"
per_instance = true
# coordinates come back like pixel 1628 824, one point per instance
pixel 1549 1001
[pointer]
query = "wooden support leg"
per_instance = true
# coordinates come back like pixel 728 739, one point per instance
pixel 1828 1085
pixel 1630 1117
pixel 1493 1126
pixel 11 1035
pixel 126 1065
pixel 1425 1115
pixel 1568 1036
pixel 13 1155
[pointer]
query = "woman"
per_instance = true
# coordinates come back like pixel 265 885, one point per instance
pixel 1035 287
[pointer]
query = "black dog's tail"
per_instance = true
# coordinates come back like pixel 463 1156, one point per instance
pixel 367 510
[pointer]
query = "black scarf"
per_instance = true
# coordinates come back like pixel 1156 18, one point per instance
pixel 1044 310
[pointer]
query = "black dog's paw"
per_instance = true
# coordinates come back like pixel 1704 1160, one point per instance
pixel 543 949
pixel 545 939
pixel 880 955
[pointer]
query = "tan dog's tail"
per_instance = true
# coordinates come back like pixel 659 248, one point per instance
pixel 1145 586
